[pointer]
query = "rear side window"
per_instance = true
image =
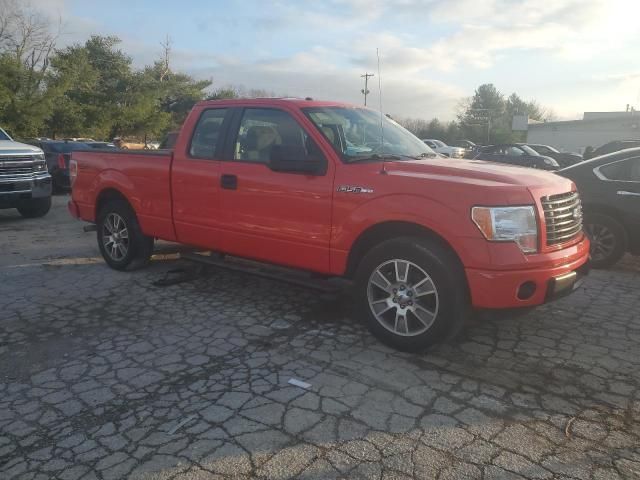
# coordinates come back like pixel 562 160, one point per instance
pixel 625 170
pixel 207 133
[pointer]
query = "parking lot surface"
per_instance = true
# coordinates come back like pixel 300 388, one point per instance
pixel 111 375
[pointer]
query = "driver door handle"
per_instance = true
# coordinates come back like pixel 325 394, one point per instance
pixel 625 193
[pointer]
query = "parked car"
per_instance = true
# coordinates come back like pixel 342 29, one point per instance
pixel 123 144
pixel 611 147
pixel 564 159
pixel 310 185
pixel 516 154
pixel 469 147
pixel 25 183
pixel 57 154
pixel 439 146
pixel 610 189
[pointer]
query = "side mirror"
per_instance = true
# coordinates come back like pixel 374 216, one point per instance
pixel 292 159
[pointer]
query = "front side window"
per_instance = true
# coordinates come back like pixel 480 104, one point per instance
pixel 359 133
pixel 624 170
pixel 262 129
pixel 207 133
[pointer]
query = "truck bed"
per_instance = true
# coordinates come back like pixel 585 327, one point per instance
pixel 142 176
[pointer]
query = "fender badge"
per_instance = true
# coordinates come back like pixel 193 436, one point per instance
pixel 353 189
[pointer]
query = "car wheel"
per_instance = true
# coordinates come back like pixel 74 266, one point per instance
pixel 120 238
pixel 608 240
pixel 412 293
pixel 36 207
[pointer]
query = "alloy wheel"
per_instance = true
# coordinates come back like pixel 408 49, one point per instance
pixel 402 297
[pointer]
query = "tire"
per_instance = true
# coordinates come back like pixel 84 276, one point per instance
pixel 120 239
pixel 608 240
pixel 35 208
pixel 389 312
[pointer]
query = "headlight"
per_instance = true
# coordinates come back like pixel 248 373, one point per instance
pixel 39 164
pixel 508 224
pixel 548 161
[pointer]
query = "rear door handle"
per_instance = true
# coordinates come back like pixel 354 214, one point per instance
pixel 229 182
pixel 632 194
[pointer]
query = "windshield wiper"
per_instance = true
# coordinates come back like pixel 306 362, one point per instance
pixel 390 156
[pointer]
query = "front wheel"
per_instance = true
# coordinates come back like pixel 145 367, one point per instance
pixel 120 238
pixel 412 293
pixel 608 240
pixel 36 207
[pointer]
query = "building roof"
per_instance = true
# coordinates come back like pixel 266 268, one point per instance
pixel 603 119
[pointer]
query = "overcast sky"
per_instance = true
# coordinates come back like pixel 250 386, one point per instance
pixel 569 55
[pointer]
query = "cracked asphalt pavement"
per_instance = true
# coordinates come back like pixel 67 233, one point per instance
pixel 106 375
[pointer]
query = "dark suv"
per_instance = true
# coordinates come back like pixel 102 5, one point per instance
pixel 57 153
pixel 610 190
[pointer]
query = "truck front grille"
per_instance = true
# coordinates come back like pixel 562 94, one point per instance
pixel 563 217
pixel 16 166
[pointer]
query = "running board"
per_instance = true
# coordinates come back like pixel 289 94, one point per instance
pixel 281 274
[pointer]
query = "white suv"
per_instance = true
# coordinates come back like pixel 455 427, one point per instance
pixel 444 149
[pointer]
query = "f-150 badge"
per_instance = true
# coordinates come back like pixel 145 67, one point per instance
pixel 353 189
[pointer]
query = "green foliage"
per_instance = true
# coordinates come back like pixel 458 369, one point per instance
pixel 87 90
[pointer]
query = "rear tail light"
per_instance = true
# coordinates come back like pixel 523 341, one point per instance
pixel 61 163
pixel 73 171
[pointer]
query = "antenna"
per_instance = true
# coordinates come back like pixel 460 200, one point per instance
pixel 383 171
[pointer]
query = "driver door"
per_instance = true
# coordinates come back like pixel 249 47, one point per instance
pixel 277 217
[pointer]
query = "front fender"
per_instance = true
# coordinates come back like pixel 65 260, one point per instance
pixel 453 224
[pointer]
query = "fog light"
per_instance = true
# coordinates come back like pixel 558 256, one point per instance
pixel 526 290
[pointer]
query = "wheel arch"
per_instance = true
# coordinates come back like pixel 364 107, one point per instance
pixel 613 213
pixel 108 194
pixel 388 230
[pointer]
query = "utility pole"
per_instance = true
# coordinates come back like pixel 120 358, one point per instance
pixel 365 90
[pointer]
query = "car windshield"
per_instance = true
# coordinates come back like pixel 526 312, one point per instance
pixel 529 150
pixel 3 135
pixel 65 147
pixel 439 143
pixel 544 149
pixel 356 134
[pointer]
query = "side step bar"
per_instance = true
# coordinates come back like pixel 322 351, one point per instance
pixel 294 277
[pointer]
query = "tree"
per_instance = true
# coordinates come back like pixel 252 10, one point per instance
pixel 26 44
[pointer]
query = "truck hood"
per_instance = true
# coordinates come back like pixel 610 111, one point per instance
pixel 476 172
pixel 9 147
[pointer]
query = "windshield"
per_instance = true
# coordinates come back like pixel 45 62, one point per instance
pixel 356 134
pixel 439 143
pixel 544 150
pixel 529 150
pixel 3 135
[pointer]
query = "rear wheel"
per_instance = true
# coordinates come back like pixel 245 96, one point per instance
pixel 120 238
pixel 36 207
pixel 608 240
pixel 412 293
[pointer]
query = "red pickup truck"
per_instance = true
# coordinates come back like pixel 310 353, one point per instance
pixel 341 190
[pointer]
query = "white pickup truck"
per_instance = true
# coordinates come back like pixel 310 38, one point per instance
pixel 25 183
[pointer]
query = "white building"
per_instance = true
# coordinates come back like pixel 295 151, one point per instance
pixel 595 129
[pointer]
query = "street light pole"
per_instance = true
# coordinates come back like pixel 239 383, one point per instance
pixel 365 90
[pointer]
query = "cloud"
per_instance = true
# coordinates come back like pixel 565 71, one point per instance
pixel 432 51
